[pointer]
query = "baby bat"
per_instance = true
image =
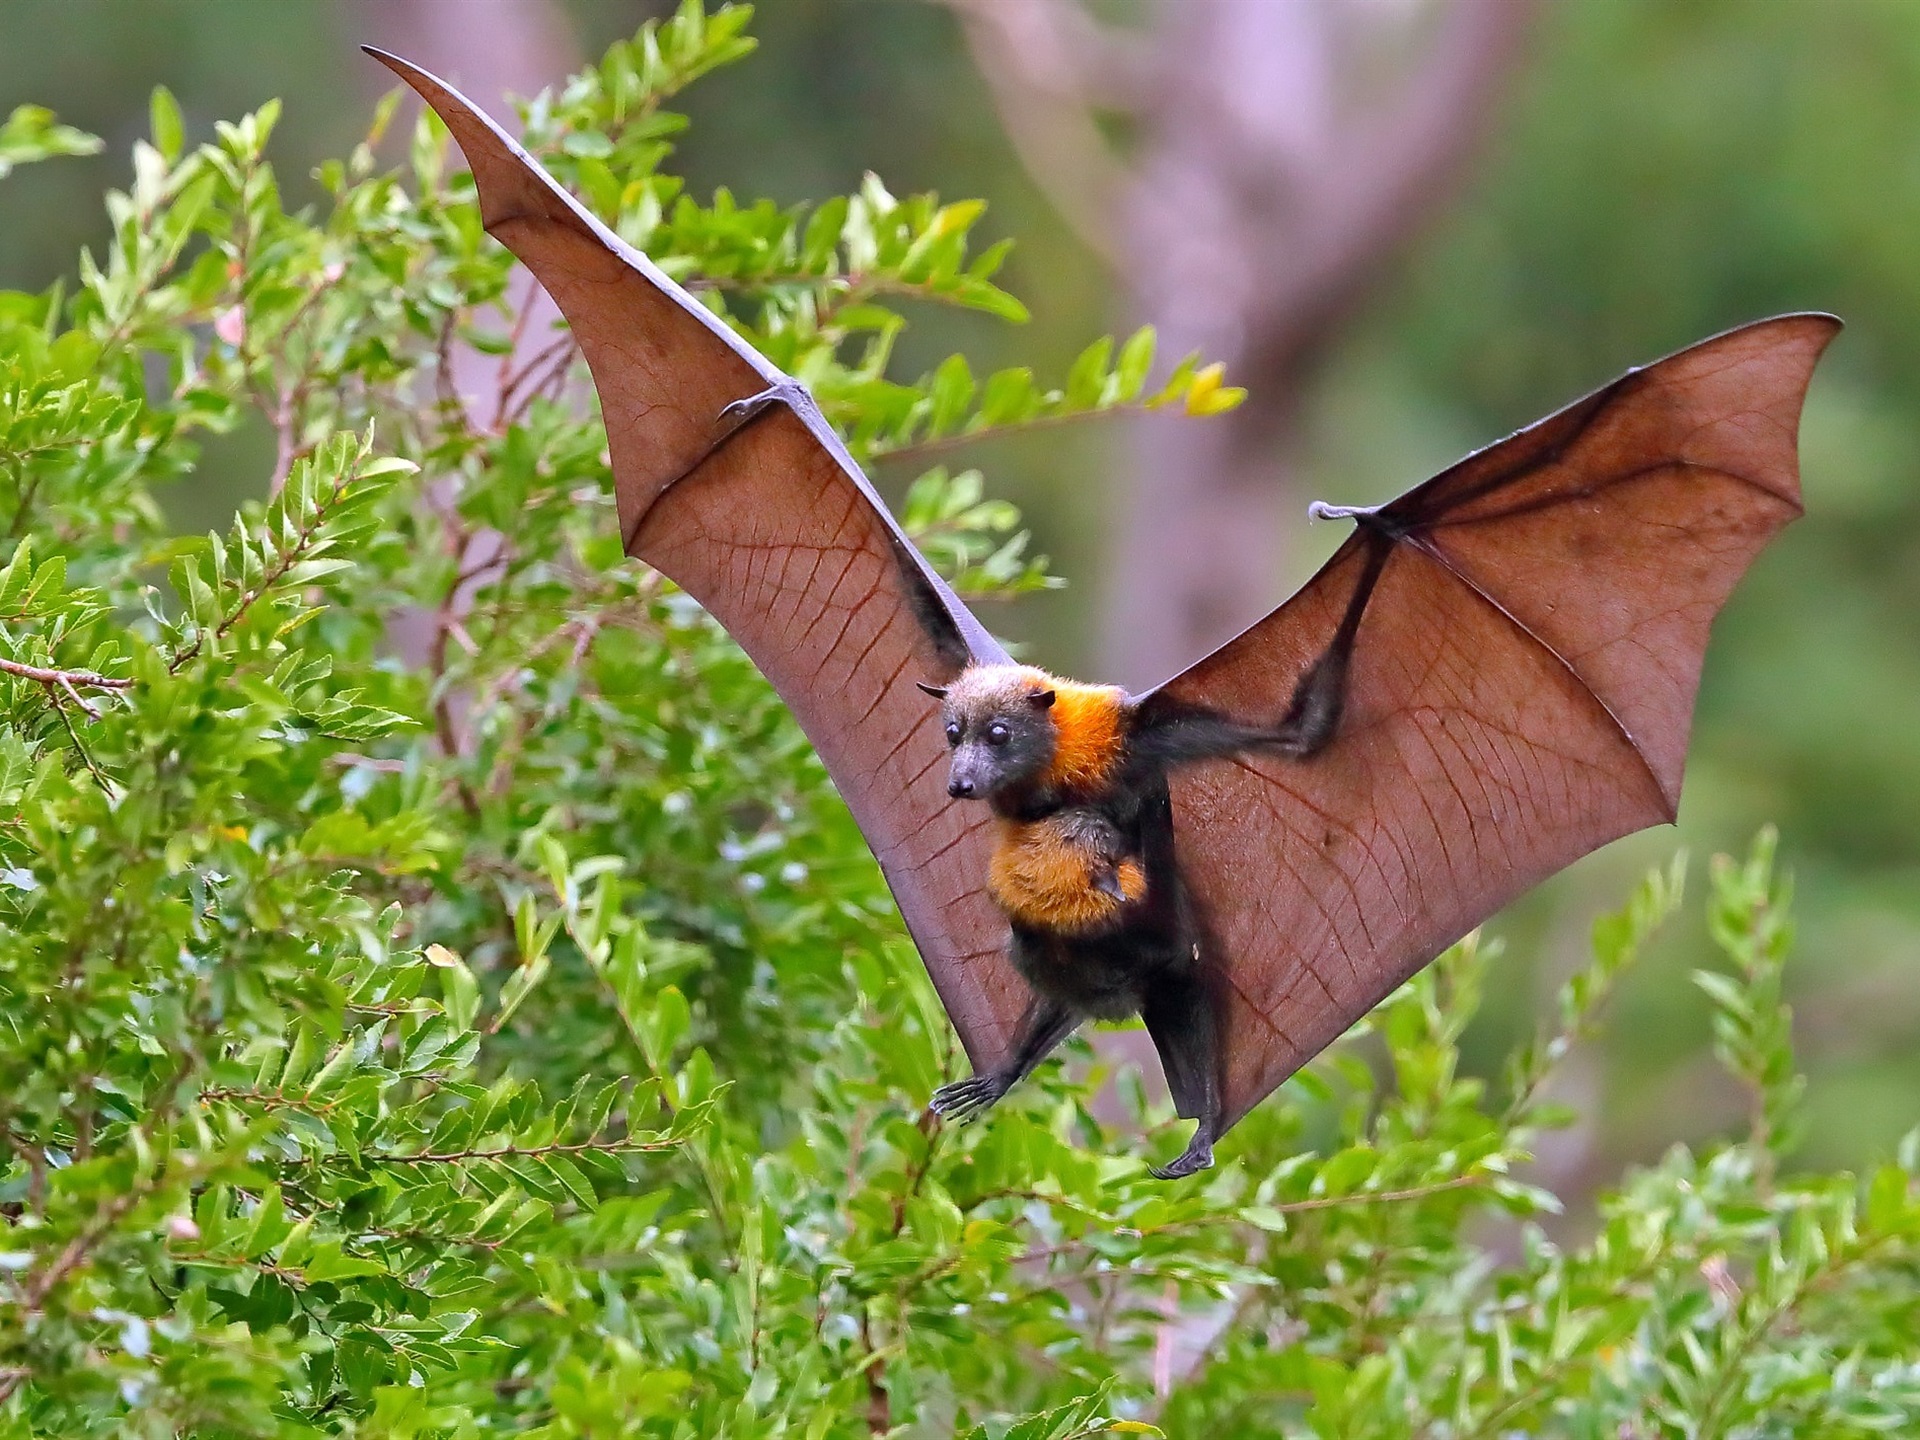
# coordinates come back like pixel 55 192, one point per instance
pixel 1493 675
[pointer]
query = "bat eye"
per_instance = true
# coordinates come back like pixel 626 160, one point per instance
pixel 998 733
pixel 953 733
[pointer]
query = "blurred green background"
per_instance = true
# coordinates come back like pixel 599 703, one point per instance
pixel 1656 173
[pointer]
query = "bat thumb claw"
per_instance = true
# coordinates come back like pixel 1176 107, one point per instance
pixel 784 391
pixel 1321 510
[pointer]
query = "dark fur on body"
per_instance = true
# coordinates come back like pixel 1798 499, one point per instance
pixel 1037 748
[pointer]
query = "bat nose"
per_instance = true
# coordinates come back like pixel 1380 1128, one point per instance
pixel 960 789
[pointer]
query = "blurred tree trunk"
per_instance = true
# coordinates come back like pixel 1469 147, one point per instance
pixel 1287 150
pixel 487 49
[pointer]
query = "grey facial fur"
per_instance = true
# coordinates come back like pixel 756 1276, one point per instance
pixel 996 719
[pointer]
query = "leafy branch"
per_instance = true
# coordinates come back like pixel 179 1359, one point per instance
pixel 326 503
pixel 508 1152
pixel 951 408
pixel 31 134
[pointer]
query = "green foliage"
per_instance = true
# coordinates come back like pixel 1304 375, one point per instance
pixel 30 133
pixel 444 996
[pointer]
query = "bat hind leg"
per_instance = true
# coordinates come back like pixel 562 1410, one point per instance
pixel 1047 1024
pixel 1179 1014
pixel 1196 1157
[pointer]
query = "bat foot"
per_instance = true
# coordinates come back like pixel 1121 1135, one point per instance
pixel 967 1099
pixel 790 393
pixel 1197 1157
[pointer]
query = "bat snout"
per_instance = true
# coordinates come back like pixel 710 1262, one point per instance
pixel 970 776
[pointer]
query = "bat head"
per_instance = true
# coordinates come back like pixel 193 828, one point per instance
pixel 1000 725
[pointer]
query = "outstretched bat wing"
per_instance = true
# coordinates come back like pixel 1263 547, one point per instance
pixel 729 482
pixel 1521 639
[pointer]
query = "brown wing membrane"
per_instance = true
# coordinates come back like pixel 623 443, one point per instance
pixel 1522 641
pixel 759 513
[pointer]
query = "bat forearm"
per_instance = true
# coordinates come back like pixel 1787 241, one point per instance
pixel 1312 717
pixel 1190 738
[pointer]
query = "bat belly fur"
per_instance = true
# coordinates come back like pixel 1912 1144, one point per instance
pixel 1067 873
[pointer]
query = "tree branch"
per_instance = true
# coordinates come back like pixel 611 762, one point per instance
pixel 509 1152
pixel 1371 193
pixel 80 1247
pixel 1295 153
pixel 70 681
pixel 1034 57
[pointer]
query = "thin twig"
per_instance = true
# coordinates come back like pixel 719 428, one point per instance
pixel 508 1152
pixel 914 450
pixel 549 365
pixel 1290 1207
pixel 290 400
pixel 443 386
pixel 1385 1197
pixel 26 495
pixel 879 1404
pixel 80 748
pixel 65 678
pixel 1032 54
pixel 81 1246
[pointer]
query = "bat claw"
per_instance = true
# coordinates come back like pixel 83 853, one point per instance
pixel 1197 1157
pixel 967 1099
pixel 1321 510
pixel 790 393
pixel 1369 517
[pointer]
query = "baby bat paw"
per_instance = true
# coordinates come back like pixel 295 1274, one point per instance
pixel 965 1099
pixel 1198 1157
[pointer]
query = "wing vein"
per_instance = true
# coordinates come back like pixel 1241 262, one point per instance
pixel 1439 557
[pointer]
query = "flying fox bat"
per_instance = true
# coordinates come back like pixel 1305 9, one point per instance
pixel 1493 675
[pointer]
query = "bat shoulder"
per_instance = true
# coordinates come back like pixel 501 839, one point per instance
pixel 1163 733
pixel 1091 730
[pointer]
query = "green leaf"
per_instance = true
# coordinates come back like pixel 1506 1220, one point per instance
pixel 1136 359
pixel 169 131
pixel 1088 377
pixel 270 1225
pixel 519 985
pixel 330 1262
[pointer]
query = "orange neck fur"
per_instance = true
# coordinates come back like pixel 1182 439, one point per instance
pixel 1090 732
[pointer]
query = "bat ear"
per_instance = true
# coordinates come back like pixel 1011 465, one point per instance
pixel 938 692
pixel 1041 699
